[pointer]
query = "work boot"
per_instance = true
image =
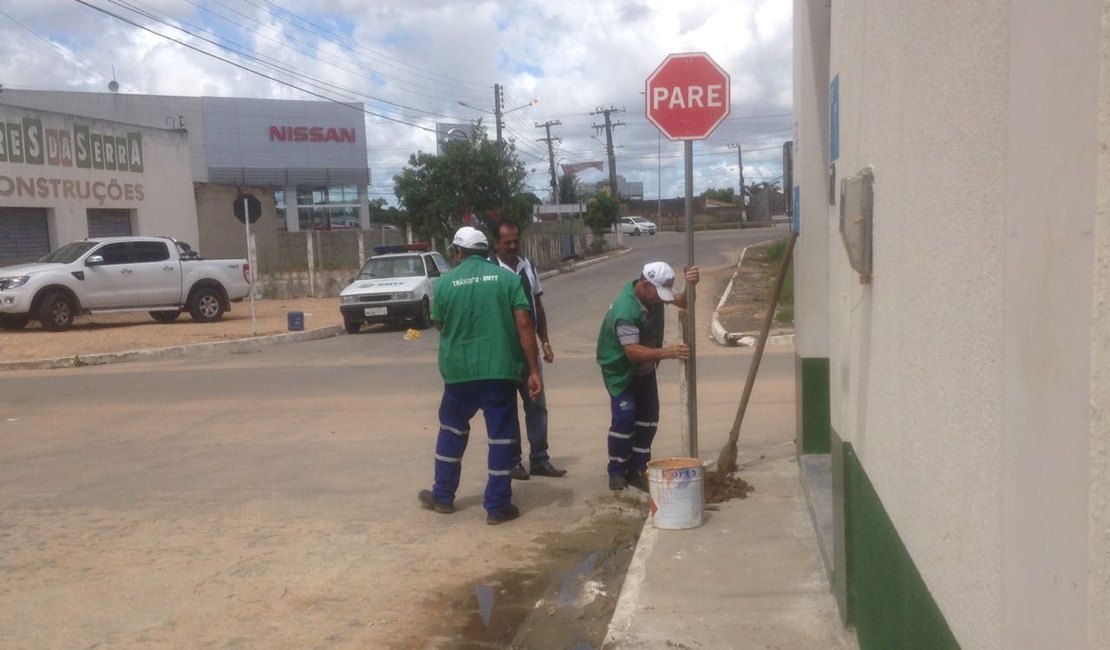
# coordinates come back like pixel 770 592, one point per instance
pixel 638 480
pixel 545 468
pixel 428 500
pixel 518 473
pixel 508 514
pixel 617 482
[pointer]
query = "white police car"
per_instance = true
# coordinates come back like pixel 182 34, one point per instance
pixel 392 288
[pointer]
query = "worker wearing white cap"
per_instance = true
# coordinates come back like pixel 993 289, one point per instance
pixel 629 347
pixel 487 344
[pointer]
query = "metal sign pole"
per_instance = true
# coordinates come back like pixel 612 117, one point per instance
pixel 250 262
pixel 691 447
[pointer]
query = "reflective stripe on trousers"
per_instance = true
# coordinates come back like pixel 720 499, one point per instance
pixel 461 401
pixel 635 413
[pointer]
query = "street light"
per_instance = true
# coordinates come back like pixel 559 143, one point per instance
pixel 477 108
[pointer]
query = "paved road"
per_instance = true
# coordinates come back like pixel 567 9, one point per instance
pixel 268 500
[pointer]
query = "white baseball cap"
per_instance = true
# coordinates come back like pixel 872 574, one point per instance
pixel 661 275
pixel 470 238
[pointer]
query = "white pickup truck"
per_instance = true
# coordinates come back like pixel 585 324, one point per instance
pixel 154 274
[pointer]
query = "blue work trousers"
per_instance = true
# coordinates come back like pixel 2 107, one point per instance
pixel 635 419
pixel 461 401
pixel 535 426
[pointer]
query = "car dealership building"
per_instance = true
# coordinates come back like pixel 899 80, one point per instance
pixel 76 165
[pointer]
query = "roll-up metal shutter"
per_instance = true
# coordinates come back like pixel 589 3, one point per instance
pixel 109 223
pixel 24 235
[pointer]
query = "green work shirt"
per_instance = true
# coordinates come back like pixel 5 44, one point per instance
pixel 616 368
pixel 475 302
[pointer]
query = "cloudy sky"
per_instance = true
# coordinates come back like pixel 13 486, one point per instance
pixel 411 62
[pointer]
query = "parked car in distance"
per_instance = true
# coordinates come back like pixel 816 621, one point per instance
pixel 392 288
pixel 636 226
pixel 110 274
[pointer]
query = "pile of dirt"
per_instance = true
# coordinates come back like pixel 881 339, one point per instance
pixel 721 487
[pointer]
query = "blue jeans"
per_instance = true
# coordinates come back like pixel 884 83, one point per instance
pixel 635 413
pixel 461 401
pixel 535 424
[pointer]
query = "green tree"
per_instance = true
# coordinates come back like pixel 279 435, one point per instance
pixel 470 177
pixel 568 188
pixel 727 195
pixel 601 213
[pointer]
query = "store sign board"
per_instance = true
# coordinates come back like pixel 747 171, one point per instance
pixel 30 141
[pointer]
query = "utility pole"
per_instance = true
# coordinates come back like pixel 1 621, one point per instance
pixel 551 156
pixel 497 116
pixel 608 126
pixel 740 160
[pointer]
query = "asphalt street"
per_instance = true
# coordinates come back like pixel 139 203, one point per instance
pixel 271 496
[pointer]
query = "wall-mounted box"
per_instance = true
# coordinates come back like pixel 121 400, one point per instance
pixel 856 208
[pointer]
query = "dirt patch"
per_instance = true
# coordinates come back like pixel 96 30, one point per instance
pixel 749 296
pixel 564 600
pixel 122 332
pixel 721 487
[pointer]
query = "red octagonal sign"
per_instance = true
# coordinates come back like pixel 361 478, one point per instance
pixel 687 96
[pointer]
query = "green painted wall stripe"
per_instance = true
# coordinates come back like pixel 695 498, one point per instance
pixel 812 405
pixel 887 600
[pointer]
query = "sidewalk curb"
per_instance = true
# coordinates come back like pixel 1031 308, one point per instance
pixel 238 346
pixel 744 339
pixel 630 589
pixel 584 263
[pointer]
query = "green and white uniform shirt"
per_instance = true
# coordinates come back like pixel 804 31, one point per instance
pixel 628 321
pixel 475 302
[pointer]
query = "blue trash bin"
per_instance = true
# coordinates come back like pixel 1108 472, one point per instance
pixel 296 321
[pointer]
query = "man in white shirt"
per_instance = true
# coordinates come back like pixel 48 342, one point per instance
pixel 506 235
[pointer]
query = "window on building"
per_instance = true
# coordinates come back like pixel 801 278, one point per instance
pixel 321 207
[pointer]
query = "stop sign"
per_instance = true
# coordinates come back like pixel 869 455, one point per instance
pixel 687 96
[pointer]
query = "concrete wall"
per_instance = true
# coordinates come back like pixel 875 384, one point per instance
pixel 222 235
pixel 1098 570
pixel 154 111
pixel 961 374
pixel 811 83
pixel 160 196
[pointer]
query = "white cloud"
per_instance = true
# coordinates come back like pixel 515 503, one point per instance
pixel 425 55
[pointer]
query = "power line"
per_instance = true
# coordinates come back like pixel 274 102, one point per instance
pixel 54 45
pixel 248 69
pixel 268 61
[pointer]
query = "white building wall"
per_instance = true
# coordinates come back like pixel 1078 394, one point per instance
pixel 154 111
pixel 962 373
pixel 1051 179
pixel 811 139
pixel 915 356
pixel 1098 623
pixel 161 196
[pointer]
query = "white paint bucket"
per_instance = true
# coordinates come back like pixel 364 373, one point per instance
pixel 677 490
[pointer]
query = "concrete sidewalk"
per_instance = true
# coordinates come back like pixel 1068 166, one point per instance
pixel 753 575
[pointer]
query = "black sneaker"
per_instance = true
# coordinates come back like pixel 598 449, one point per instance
pixel 638 480
pixel 617 483
pixel 545 468
pixel 518 473
pixel 428 500
pixel 508 514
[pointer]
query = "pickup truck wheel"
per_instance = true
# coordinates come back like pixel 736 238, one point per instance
pixel 14 322
pixel 55 312
pixel 424 318
pixel 165 316
pixel 352 326
pixel 206 306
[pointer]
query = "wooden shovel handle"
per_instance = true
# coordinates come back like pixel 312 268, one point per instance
pixel 734 434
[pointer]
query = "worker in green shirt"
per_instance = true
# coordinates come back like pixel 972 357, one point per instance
pixel 629 347
pixel 487 344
